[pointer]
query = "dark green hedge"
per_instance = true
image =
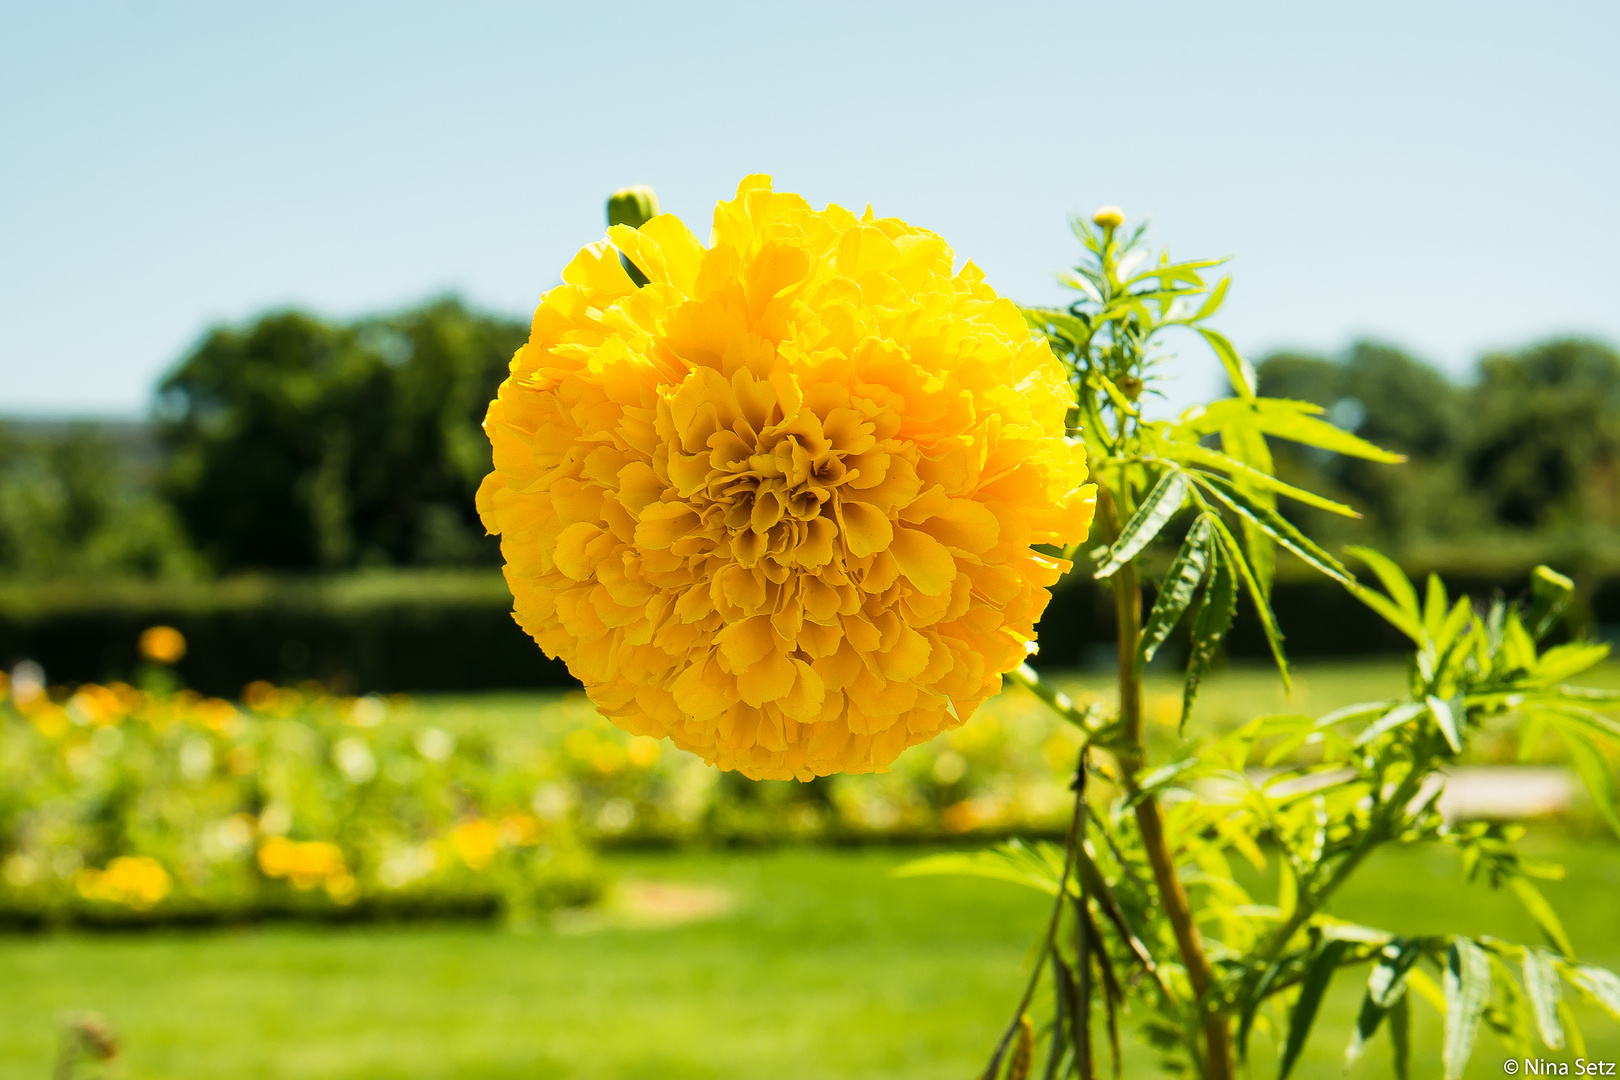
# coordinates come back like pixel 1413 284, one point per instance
pixel 451 630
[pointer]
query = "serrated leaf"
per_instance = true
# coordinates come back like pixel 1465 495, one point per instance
pixel 1596 773
pixel 1213 302
pixel 1238 370
pixel 1156 510
pixel 1295 421
pixel 1545 992
pixel 1467 985
pixel 1179 587
pixel 1353 712
pixel 1209 627
pixel 1386 984
pixel 1546 919
pixel 1441 711
pixel 1318 975
pixel 1278 528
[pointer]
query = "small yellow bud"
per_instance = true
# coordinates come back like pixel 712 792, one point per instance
pixel 162 644
pixel 632 206
pixel 1109 217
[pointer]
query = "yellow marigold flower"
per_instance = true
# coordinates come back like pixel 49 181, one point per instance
pixel 162 644
pixel 137 881
pixel 777 504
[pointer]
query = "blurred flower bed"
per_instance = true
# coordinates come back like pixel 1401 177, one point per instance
pixel 128 806
pixel 121 806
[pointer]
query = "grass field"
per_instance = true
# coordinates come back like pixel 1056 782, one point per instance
pixel 825 966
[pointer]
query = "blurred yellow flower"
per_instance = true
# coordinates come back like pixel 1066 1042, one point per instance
pixel 1109 217
pixel 306 864
pixel 162 644
pixel 778 504
pixel 136 881
pixel 476 841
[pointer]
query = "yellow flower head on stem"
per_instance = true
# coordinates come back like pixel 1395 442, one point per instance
pixel 778 504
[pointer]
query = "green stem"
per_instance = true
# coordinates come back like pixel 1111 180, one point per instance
pixel 1219 1063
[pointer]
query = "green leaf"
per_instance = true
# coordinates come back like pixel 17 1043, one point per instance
pixel 1210 625
pixel 1562 661
pixel 1274 525
pixel 1467 985
pixel 1545 992
pixel 1295 421
pixel 1179 587
pixel 1194 454
pixel 1596 774
pixel 1014 861
pixel 1546 919
pixel 1441 711
pixel 1262 606
pixel 1385 985
pixel 1238 370
pixel 1251 1005
pixel 1601 984
pixel 1391 720
pixel 1391 576
pixel 1435 606
pixel 1318 974
pixel 1213 302
pixel 1400 1036
pixel 1156 510
pixel 1549 595
pixel 1247 445
pixel 1353 712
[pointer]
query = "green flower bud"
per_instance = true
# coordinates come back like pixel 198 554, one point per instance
pixel 632 206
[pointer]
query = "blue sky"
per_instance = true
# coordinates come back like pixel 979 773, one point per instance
pixel 1437 175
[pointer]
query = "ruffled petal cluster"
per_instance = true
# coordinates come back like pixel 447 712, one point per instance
pixel 778 503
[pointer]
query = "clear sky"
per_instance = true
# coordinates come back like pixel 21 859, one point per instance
pixel 1441 176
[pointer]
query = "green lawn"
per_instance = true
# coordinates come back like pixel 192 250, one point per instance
pixel 825 967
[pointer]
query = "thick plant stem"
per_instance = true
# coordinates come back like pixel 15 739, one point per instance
pixel 1219 1064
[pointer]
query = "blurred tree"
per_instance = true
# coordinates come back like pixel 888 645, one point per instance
pixel 1546 435
pixel 1399 403
pixel 70 506
pixel 298 444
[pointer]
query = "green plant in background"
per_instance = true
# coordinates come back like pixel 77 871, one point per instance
pixel 1149 914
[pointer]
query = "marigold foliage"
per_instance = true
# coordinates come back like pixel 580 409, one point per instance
pixel 778 504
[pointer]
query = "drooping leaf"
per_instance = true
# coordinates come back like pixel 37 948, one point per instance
pixel 1385 985
pixel 1435 605
pixel 1249 446
pixel 1602 985
pixel 1467 986
pixel 1545 992
pixel 1251 1004
pixel 1179 587
pixel 1209 627
pixel 1262 607
pixel 1400 1036
pixel 1546 919
pixel 1596 773
pixel 1156 510
pixel 1238 370
pixel 1318 974
pixel 1278 528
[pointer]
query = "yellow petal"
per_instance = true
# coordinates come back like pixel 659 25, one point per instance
pixel 923 560
pixel 864 528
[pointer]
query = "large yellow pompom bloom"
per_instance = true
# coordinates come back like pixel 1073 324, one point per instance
pixel 778 503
